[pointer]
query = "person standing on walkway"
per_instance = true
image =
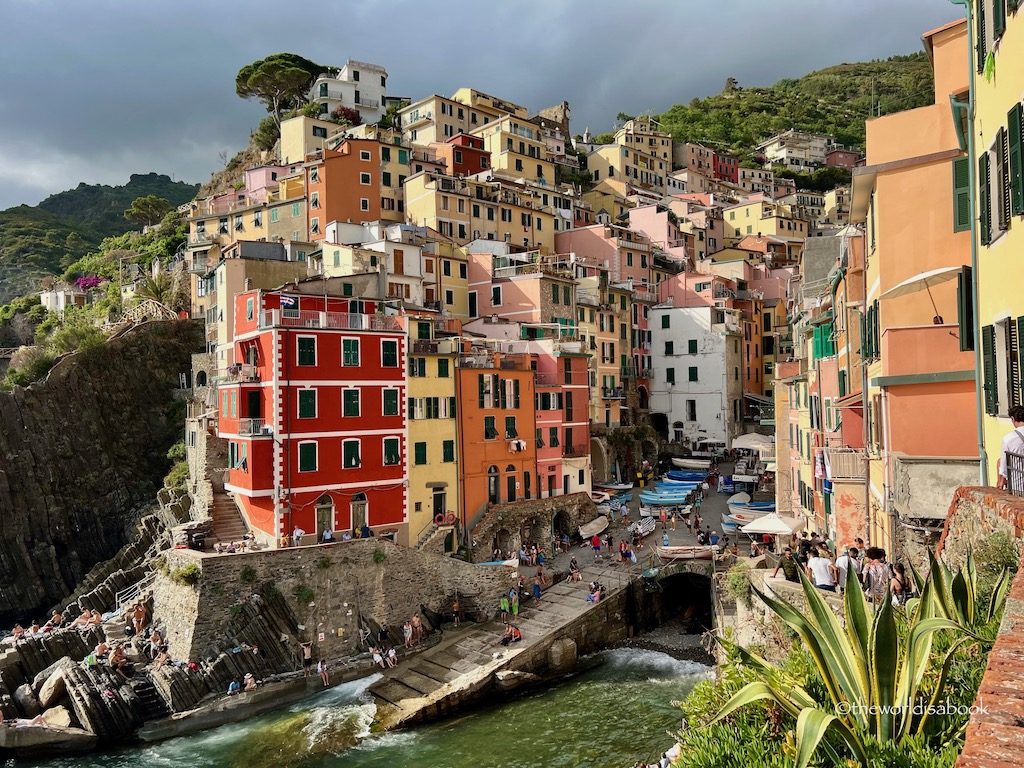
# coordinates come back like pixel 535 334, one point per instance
pixel 307 658
pixel 595 543
pixel 788 565
pixel 1013 442
pixel 503 607
pixel 514 603
pixel 325 675
pixel 407 633
pixel 536 589
pixel 875 575
pixel 821 571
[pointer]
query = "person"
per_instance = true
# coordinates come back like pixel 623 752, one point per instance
pixel 788 566
pixel 804 547
pixel 456 611
pixel 517 635
pixel 496 555
pixel 664 539
pixel 875 575
pixel 321 668
pixel 821 571
pixel 513 599
pixel 899 585
pixel 524 559
pixel 664 519
pixel 503 607
pixel 56 619
pixel 417 628
pixel 328 535
pixel 672 519
pixel 845 563
pixel 382 635
pixel 391 657
pixel 536 588
pixel 595 543
pixel 101 651
pixel 297 535
pixel 307 658
pixel 378 658
pixel 755 549
pixel 506 636
pixel 234 687
pixel 407 633
pixel 95 618
pixel 119 660
pixel 713 538
pixel 609 541
pixel 250 681
pixel 701 541
pixel 1013 442
pixel 155 642
pixel 575 574
pixel 138 618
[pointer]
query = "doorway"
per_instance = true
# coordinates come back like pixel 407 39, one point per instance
pixel 253 404
pixel 324 516
pixel 358 509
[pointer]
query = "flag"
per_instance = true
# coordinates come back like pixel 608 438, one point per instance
pixel 287 301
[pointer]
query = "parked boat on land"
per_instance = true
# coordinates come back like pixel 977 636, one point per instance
pixel 692 463
pixel 597 525
pixel 599 497
pixel 654 510
pixel 613 487
pixel 644 526
pixel 685 553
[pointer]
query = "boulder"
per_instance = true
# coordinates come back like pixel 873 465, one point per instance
pixel 53 689
pixel 26 700
pixel 562 655
pixel 58 717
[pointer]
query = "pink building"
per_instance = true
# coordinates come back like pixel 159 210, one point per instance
pixel 626 254
pixel 655 223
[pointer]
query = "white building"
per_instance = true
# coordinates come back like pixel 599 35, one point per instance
pixel 358 85
pixel 797 150
pixel 754 180
pixel 697 384
pixel 61 296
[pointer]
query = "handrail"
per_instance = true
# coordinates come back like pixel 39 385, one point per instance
pixel 128 594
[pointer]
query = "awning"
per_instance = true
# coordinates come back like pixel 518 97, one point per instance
pixel 753 441
pixel 758 398
pixel 771 467
pixel 921 281
pixel 856 400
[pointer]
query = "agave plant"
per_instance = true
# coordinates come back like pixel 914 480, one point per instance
pixel 957 597
pixel 874 678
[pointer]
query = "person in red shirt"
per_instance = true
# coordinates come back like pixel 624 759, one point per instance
pixel 595 542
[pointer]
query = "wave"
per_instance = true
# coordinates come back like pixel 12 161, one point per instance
pixel 654 665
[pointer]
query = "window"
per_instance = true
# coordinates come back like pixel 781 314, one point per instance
pixel 691 346
pixel 670 375
pixel 307 403
pixel 350 454
pixel 442 368
pixel 389 354
pixel 665 320
pixel 554 294
pixel 490 432
pixel 553 437
pixel 691 410
pixel 446 268
pixel 449 297
pixel 669 348
pixel 510 428
pixel 385 179
pixel 420 454
pixel 390 398
pixel 392 451
pixel 296 209
pixel 307 350
pixel 496 295
pixel 691 373
pixel 448 451
pixel 307 457
pixel 463 272
pixel 364 203
pixel 350 402
pixel 364 178
pixel 275 215
pixel 319 132
pixel 350 353
pixel 1015 138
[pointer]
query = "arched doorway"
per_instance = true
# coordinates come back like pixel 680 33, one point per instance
pixel 642 398
pixel 503 541
pixel 530 532
pixel 324 516
pixel 492 484
pixel 599 459
pixel 358 509
pixel 510 482
pixel 561 525
pixel 200 378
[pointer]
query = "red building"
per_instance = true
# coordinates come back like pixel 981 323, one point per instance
pixel 464 155
pixel 315 415
pixel 726 168
pixel 842 158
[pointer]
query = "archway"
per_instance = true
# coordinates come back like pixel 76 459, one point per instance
pixel 642 398
pixel 200 378
pixel 599 460
pixel 359 512
pixel 503 541
pixel 324 516
pixel 531 531
pixel 561 525
pixel 659 422
pixel 492 484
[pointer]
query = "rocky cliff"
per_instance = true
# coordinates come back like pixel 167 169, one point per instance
pixel 81 454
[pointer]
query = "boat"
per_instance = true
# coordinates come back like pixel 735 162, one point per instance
pixel 28 738
pixel 726 484
pixel 661 500
pixel 597 525
pixel 614 487
pixel 654 510
pixel 748 515
pixel 728 526
pixel 692 463
pixel 686 476
pixel 685 553
pixel 514 562
pixel 644 526
pixel 599 497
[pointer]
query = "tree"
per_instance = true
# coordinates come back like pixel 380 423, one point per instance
pixel 266 134
pixel 279 82
pixel 166 289
pixel 148 209
pixel 343 115
pixel 622 117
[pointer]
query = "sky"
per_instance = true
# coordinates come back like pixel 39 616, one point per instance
pixel 94 90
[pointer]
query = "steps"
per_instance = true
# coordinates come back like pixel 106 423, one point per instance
pixel 227 520
pixel 433 538
pixel 151 704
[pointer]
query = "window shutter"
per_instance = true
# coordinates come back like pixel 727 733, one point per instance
pixel 1011 5
pixel 1014 131
pixel 965 308
pixel 984 201
pixel 988 364
pixel 980 47
pixel 998 18
pixel 1013 360
pixel 961 195
pixel 1003 182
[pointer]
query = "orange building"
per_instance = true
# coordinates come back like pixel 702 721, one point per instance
pixel 495 395
pixel 344 184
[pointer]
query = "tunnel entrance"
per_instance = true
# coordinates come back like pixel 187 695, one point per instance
pixel 685 599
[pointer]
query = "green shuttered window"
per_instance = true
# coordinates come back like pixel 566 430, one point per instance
pixel 988 362
pixel 984 200
pixel 965 308
pixel 961 195
pixel 1014 130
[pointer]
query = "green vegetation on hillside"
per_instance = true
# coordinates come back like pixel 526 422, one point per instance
pixel 36 241
pixel 836 100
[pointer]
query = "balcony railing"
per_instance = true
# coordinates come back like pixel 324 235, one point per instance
pixel 546 380
pixel 362 101
pixel 846 463
pixel 254 428
pixel 328 320
pixel 239 372
pixel 575 451
pixel 613 393
pixel 1014 473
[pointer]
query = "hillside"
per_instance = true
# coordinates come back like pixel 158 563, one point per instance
pixel 44 239
pixel 835 100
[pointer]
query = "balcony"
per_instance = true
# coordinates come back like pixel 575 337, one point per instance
pixel 344 321
pixel 846 463
pixel 202 237
pixel 199 266
pixel 613 393
pixel 240 372
pixel 426 157
pixel 362 101
pixel 575 451
pixel 647 296
pixel 447 325
pixel 570 161
pixel 254 428
pixel 546 380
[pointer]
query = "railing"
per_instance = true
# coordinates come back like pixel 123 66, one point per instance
pixel 612 393
pixel 203 238
pixel 362 101
pixel 199 266
pixel 644 296
pixel 546 380
pixel 1014 473
pixel 575 451
pixel 846 463
pixel 239 372
pixel 447 325
pixel 424 346
pixel 253 427
pixel 570 160
pixel 130 594
pixel 333 320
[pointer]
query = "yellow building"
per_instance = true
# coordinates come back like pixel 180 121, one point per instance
pixel 432 445
pixel 640 153
pixel 466 209
pixel 761 216
pixel 301 136
pixel 446 278
pixel 603 317
pixel 998 207
pixel 517 149
pixel 436 118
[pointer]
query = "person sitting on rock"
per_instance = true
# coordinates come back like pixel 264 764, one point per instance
pixel 391 657
pixel 101 651
pixel 234 687
pixel 19 632
pixel 506 638
pixel 378 658
pixel 56 619
pixel 95 619
pixel 250 682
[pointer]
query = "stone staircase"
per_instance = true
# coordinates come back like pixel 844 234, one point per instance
pixel 432 539
pixel 150 703
pixel 227 520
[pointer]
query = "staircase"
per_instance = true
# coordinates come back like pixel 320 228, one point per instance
pixel 433 538
pixel 151 704
pixel 227 520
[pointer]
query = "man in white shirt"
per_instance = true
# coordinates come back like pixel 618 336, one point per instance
pixel 297 535
pixel 821 571
pixel 1013 442
pixel 845 562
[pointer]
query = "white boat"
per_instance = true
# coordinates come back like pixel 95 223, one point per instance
pixel 613 487
pixel 680 510
pixel 685 553
pixel 599 497
pixel 644 526
pixel 692 463
pixel 746 514
pixel 597 525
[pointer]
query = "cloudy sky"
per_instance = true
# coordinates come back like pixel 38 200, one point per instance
pixel 94 90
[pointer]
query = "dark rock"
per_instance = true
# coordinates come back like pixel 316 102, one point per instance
pixel 26 701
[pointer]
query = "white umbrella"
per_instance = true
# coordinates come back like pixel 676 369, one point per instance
pixel 752 441
pixel 773 524
pixel 922 280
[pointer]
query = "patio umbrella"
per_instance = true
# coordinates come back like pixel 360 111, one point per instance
pixel 773 524
pixel 752 441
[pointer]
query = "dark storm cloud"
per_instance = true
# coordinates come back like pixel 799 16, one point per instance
pixel 95 90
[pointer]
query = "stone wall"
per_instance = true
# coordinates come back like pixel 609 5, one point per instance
pixel 81 454
pixel 327 588
pixel 507 522
pixel 995 733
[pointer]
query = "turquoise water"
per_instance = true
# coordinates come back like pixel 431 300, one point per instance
pixel 607 717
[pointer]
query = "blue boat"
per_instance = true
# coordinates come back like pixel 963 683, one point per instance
pixel 679 474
